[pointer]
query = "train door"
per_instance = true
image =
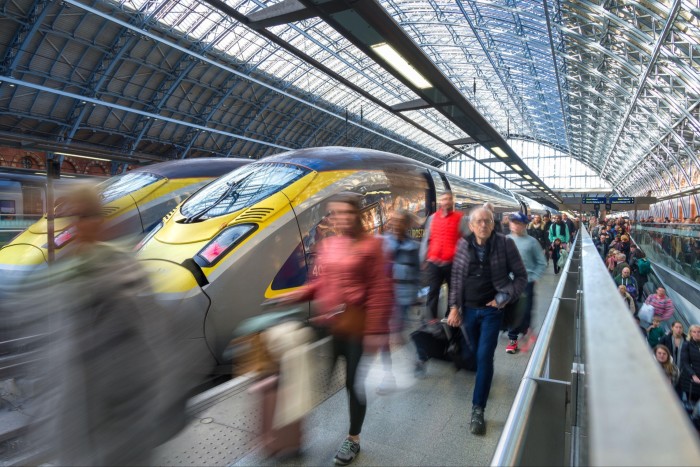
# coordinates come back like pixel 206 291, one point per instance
pixel 10 199
pixel 440 186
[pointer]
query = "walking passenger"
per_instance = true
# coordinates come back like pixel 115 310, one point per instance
pixel 402 251
pixel 537 230
pixel 663 305
pixel 625 278
pixel 354 296
pixel 671 371
pixel 555 252
pixel 571 226
pixel 531 253
pixel 108 397
pixel 675 341
pixel 442 232
pixel 481 286
pixel 690 365
pixel 559 230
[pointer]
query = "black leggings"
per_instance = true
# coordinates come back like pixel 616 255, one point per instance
pixel 351 349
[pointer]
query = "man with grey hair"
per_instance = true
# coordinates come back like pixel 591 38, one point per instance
pixel 481 287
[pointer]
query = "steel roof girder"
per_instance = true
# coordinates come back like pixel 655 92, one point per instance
pixel 16 48
pixel 642 81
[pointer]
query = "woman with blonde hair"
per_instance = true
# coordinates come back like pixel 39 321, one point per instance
pixel 627 298
pixel 663 356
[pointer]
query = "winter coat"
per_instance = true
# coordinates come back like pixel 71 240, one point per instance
pixel 559 230
pixel 538 233
pixel 352 276
pixel 690 365
pixel 504 260
pixel 405 268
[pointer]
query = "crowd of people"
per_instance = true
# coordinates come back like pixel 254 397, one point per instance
pixel 678 354
pixel 367 284
pixel 669 220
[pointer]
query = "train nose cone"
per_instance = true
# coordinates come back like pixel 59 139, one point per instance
pixel 19 260
pixel 179 294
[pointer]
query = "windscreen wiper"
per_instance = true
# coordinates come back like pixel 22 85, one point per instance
pixel 224 195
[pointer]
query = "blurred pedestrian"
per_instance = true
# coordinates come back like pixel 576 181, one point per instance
pixel 442 232
pixel 690 365
pixel 559 230
pixel 489 274
pixel 354 295
pixel 663 305
pixel 531 254
pixel 403 252
pixel 103 397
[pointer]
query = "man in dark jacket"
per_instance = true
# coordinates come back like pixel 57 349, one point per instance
pixel 481 286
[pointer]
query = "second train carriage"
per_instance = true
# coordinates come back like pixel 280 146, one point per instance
pixel 132 204
pixel 250 235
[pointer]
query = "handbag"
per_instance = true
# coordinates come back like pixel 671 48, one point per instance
pixel 563 254
pixel 646 313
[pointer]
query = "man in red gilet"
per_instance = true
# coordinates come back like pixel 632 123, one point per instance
pixel 442 232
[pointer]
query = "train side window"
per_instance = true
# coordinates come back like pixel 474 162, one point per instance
pixel 7 206
pixel 33 200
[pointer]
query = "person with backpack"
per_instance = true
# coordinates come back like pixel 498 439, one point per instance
pixel 625 278
pixel 488 275
pixel 559 230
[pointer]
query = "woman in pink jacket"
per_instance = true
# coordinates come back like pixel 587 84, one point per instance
pixel 354 297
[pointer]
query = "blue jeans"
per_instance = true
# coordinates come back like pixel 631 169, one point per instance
pixel 482 325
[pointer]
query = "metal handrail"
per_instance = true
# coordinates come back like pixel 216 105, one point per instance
pixel 511 443
pixel 627 392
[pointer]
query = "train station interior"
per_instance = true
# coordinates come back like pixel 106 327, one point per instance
pixel 219 133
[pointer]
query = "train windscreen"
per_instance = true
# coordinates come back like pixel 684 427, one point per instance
pixel 122 185
pixel 240 189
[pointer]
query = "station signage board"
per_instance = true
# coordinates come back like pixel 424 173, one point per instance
pixel 593 200
pixel 604 200
pixel 621 200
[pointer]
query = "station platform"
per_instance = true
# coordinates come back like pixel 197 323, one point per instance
pixel 422 422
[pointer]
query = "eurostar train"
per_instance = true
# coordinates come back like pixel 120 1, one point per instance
pixel 250 235
pixel 133 202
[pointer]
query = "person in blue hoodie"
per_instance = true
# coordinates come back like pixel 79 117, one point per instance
pixel 403 252
pixel 531 254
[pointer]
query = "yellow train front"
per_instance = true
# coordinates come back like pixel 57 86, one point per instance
pixel 250 235
pixel 132 204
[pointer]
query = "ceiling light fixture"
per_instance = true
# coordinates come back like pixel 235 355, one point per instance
pixel 82 157
pixel 398 63
pixel 517 167
pixel 499 152
pixel 527 177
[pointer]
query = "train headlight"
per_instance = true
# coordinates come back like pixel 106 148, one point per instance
pixel 148 236
pixel 224 242
pixel 62 238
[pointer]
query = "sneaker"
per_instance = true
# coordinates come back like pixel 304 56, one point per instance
pixel 419 371
pixel 478 425
pixel 387 385
pixel 512 347
pixel 530 342
pixel 347 452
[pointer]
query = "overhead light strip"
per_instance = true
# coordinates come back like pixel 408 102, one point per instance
pixel 398 63
pixel 82 157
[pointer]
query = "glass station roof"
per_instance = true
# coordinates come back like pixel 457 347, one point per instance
pixel 612 84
